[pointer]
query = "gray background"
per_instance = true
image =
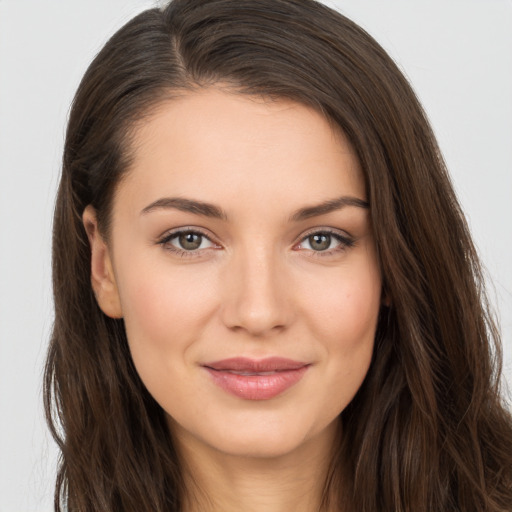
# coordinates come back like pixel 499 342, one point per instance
pixel 457 54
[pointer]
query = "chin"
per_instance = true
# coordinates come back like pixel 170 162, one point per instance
pixel 260 446
pixel 254 437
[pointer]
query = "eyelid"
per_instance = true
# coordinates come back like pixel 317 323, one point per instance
pixel 184 229
pixel 331 231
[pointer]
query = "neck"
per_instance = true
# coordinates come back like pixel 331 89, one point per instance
pixel 220 482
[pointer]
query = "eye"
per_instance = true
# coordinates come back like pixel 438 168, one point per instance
pixel 319 241
pixel 189 241
pixel 326 242
pixel 186 241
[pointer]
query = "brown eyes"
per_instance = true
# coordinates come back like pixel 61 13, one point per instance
pixel 319 242
pixel 326 242
pixel 191 242
pixel 187 242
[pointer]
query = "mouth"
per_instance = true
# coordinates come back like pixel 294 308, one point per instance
pixel 252 379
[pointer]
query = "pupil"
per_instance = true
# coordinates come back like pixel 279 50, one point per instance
pixel 320 242
pixel 190 241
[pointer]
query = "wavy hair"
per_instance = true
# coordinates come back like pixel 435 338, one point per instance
pixel 428 429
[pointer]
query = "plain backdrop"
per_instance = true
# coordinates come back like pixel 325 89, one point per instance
pixel 456 53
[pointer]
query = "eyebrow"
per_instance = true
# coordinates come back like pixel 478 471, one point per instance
pixel 187 205
pixel 210 210
pixel 328 206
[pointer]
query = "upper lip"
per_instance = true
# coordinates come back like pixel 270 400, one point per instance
pixel 245 364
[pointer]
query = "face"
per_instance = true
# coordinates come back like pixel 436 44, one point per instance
pixel 242 261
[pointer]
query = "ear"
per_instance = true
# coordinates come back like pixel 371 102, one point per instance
pixel 103 280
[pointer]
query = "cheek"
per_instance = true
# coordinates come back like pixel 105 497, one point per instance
pixel 346 308
pixel 165 310
pixel 344 316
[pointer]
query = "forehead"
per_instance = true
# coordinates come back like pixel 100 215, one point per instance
pixel 219 146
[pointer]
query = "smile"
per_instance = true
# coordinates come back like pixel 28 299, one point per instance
pixel 256 379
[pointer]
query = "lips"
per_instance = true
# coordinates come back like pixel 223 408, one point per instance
pixel 252 379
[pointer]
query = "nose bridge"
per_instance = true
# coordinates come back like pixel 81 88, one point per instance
pixel 255 298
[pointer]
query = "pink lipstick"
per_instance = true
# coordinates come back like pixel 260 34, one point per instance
pixel 252 379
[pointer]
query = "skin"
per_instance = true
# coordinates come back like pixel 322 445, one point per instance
pixel 258 286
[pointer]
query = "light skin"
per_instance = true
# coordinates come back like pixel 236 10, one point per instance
pixel 280 262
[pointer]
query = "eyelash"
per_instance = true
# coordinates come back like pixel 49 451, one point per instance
pixel 345 242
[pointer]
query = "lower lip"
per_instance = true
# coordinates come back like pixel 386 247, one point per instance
pixel 257 387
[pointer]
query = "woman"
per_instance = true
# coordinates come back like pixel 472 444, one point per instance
pixel 269 299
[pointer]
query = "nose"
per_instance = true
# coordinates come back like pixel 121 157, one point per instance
pixel 256 296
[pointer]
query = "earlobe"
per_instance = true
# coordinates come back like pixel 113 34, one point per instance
pixel 103 280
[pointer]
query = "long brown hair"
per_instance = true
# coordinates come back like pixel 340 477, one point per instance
pixel 428 430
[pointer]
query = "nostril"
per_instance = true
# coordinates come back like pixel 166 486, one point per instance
pixel 258 321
